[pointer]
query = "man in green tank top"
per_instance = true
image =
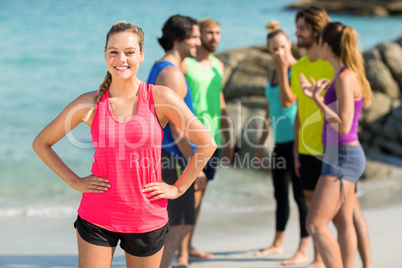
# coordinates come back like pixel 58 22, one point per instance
pixel 204 75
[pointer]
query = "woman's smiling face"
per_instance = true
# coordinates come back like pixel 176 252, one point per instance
pixel 123 55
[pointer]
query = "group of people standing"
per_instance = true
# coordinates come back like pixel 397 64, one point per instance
pixel 313 109
pixel 155 142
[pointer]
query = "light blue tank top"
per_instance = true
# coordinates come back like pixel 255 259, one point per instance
pixel 282 119
pixel 168 143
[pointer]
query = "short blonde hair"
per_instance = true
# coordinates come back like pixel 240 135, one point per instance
pixel 206 22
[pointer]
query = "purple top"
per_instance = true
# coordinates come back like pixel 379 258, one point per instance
pixel 329 135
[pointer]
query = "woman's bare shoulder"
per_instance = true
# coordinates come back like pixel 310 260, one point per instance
pixel 162 93
pixel 88 97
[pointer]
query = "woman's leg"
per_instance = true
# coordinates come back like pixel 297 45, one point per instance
pixel 324 206
pixel 93 256
pixel 153 261
pixel 363 242
pixel 280 180
pixel 300 256
pixel 344 224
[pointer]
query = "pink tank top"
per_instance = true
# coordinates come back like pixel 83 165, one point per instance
pixel 128 154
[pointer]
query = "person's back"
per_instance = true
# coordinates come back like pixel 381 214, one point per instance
pixel 169 143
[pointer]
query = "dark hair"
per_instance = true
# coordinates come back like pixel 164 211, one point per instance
pixel 314 16
pixel 342 40
pixel 176 28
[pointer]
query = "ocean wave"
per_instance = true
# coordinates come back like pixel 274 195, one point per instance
pixel 229 208
pixel 39 212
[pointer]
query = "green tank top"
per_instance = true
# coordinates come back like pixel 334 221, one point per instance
pixel 206 87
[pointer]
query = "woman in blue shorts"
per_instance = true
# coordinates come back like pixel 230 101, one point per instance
pixel 344 159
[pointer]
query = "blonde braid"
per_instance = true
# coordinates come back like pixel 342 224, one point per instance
pixel 101 92
pixel 102 88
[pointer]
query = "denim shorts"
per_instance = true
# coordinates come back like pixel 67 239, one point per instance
pixel 344 162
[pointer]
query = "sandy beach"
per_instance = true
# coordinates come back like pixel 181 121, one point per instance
pixel 233 237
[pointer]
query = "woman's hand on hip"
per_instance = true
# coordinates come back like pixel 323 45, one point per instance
pixel 160 190
pixel 91 184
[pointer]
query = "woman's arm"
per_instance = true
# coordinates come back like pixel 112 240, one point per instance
pixel 285 93
pixel 171 77
pixel 169 107
pixel 266 128
pixel 341 121
pixel 67 120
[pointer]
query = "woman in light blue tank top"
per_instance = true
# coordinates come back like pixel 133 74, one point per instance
pixel 280 121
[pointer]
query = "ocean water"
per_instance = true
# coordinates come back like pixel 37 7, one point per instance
pixel 52 51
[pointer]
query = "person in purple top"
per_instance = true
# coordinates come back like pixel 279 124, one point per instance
pixel 344 160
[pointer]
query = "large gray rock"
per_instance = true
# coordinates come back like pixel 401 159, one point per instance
pixel 378 74
pixel 396 116
pixel 389 129
pixel 247 72
pixel 376 170
pixel 373 116
pixel 247 119
pixel 380 166
pixel 392 56
pixel 399 41
pixel 389 146
pixel 231 59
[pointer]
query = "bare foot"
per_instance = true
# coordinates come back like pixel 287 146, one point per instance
pixel 182 260
pixel 195 253
pixel 316 264
pixel 269 251
pixel 298 258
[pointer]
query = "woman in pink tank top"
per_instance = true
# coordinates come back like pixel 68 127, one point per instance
pixel 344 160
pixel 124 199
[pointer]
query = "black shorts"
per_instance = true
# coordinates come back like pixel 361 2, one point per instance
pixel 136 244
pixel 211 166
pixel 310 170
pixel 182 209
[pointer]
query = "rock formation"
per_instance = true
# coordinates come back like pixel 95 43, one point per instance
pixel 360 7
